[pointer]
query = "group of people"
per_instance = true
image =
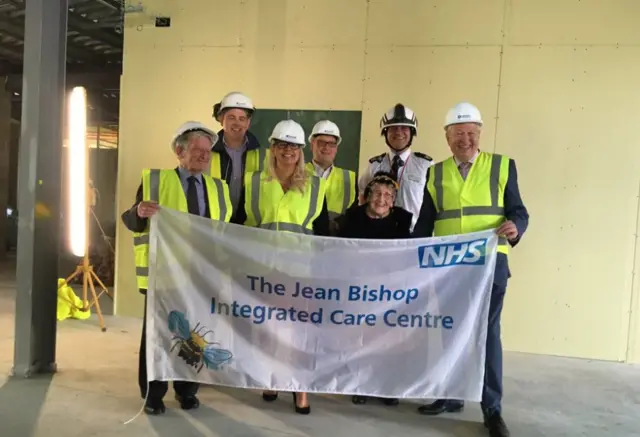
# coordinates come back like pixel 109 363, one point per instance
pixel 228 175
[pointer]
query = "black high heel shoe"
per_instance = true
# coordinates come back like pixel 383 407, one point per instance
pixel 300 410
pixel 269 397
pixel 359 400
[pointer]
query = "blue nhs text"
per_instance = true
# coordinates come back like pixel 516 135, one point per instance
pixel 445 255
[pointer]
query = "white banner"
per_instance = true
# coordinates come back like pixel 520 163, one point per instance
pixel 245 307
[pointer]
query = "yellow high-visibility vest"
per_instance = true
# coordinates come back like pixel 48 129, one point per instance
pixel 341 189
pixel 471 205
pixel 269 207
pixel 165 187
pixel 256 160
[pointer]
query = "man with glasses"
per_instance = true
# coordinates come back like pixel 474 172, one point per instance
pixel 341 183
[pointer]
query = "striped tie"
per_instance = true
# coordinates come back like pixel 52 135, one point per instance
pixel 464 169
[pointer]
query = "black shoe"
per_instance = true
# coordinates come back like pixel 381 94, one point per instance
pixel 441 406
pixel 269 397
pixel 390 401
pixel 300 410
pixel 154 408
pixel 359 400
pixel 496 426
pixel 188 402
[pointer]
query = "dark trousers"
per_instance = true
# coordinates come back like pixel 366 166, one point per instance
pixel 492 391
pixel 158 389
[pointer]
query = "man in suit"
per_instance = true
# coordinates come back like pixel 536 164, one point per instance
pixel 237 151
pixel 184 188
pixel 470 192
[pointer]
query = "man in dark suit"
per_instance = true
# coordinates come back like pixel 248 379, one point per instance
pixel 483 188
pixel 205 196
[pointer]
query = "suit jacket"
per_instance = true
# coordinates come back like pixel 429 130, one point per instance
pixel 135 223
pixel 514 210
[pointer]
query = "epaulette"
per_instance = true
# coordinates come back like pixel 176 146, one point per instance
pixel 378 158
pixel 423 156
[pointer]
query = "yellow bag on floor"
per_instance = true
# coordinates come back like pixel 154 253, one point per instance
pixel 68 303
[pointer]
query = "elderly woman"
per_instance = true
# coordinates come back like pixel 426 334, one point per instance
pixel 285 197
pixel 377 218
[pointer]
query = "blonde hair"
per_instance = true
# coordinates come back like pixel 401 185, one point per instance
pixel 300 175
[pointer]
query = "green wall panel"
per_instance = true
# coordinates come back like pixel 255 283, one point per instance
pixel 349 122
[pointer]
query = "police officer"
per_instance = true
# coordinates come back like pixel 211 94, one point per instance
pixel 469 192
pixel 184 188
pixel 399 126
pixel 237 150
pixel 341 183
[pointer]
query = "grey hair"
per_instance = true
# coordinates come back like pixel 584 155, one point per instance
pixel 185 139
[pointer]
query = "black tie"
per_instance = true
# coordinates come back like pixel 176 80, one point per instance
pixel 192 196
pixel 395 166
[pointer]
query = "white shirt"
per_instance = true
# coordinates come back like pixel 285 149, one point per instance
pixel 412 178
pixel 471 161
pixel 321 172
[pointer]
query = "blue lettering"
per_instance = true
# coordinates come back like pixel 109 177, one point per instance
pixel 447 322
pixel 266 286
pixel 339 317
pixel 394 319
pixel 381 294
pixel 447 255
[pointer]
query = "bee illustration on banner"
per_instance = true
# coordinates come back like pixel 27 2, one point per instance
pixel 195 350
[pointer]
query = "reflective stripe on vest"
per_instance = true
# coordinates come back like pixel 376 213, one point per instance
pixel 255 160
pixel 310 201
pixel 459 211
pixel 258 158
pixel 340 189
pixel 175 198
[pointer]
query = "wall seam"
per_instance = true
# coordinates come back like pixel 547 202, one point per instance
pixel 364 79
pixel 634 280
pixel 504 32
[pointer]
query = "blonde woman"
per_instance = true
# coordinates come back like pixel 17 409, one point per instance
pixel 285 197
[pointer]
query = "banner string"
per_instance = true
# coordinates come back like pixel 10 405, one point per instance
pixel 141 409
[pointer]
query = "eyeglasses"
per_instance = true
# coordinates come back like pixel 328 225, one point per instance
pixel 329 144
pixel 283 145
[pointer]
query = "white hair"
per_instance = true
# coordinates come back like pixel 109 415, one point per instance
pixel 187 138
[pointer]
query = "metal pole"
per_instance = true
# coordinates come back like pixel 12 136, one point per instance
pixel 39 186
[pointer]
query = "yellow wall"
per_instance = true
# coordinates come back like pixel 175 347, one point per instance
pixel 558 82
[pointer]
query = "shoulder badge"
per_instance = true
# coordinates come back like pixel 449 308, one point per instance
pixel 378 158
pixel 423 156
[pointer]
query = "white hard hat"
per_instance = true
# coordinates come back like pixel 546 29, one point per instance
pixel 288 131
pixel 237 100
pixel 399 115
pixel 326 127
pixel 192 126
pixel 463 112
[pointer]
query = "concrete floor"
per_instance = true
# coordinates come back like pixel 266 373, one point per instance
pixel 95 392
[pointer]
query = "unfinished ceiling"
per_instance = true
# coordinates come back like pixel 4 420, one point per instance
pixel 94 49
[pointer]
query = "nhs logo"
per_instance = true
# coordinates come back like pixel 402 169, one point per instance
pixel 470 253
